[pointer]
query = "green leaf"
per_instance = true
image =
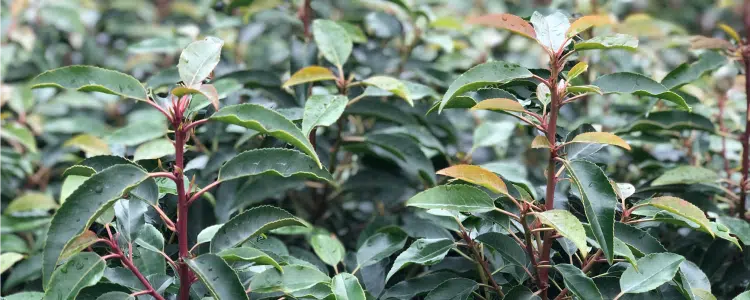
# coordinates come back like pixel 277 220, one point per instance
pixel 137 133
pixel 380 245
pixel 684 209
pixel 742 296
pixel 293 278
pixel 219 278
pixel 154 149
pixel 410 288
pixel 333 41
pixel 30 201
pixel 150 238
pixel 309 74
pixel 266 121
pixel 673 120
pixel 637 84
pixel 617 41
pixel 639 240
pixel 25 296
pixel 247 254
pixel 130 214
pixel 457 197
pixel 82 270
pixel 93 197
pixel 406 151
pixel 346 287
pixel 116 295
pixel 723 232
pixel 18 133
pixel 654 270
pixel 393 85
pixel 328 248
pixel 583 89
pixel 550 30
pixel 521 292
pixel 500 105
pixel 198 60
pixel 424 252
pixel 599 202
pixel 8 259
pixel 480 76
pixel 453 289
pixel 578 283
pixel 686 73
pixel 91 79
pixel 566 225
pixel 322 110
pixel 164 45
pixel 687 175
pixel 737 227
pixel 578 69
pixel 281 162
pixel 507 247
pixel 621 248
pixel 250 223
pixel 70 184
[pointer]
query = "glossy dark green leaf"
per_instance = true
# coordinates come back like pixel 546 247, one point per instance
pixel 130 214
pixel 639 240
pixel 25 296
pixel 578 283
pixel 506 246
pixel 686 73
pixel 453 289
pixel 653 271
pixel 346 286
pixel 380 245
pixel 91 79
pixel 116 295
pixel 82 207
pixel 250 223
pixel 424 252
pixel 218 277
pixel 457 197
pixel 672 120
pixel 412 287
pixel 381 110
pixel 599 201
pixel 82 270
pixel 292 279
pixel 198 60
pixel 521 292
pixel 637 84
pixel 406 151
pixel 247 254
pixel 737 227
pixel 266 121
pixel 486 74
pixel 281 162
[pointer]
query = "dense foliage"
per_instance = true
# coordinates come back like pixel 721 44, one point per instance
pixel 374 149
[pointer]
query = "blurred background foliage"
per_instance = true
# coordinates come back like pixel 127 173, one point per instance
pixel 427 42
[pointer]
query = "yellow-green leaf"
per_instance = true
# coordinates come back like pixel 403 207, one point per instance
pixel 566 225
pixel 8 259
pixel 309 74
pixel 499 104
pixel 601 138
pixel 684 209
pixel 393 85
pixel 586 22
pixel 88 143
pixel 31 201
pixel 578 69
pixel 207 90
pixel 731 32
pixel 476 175
pixel 540 142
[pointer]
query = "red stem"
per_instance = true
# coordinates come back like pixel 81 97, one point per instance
pixel 162 174
pixel 182 213
pixel 202 191
pixel 746 135
pixel 549 200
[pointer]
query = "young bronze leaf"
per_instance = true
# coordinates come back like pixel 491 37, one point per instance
pixel 507 22
pixel 601 138
pixel 476 175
